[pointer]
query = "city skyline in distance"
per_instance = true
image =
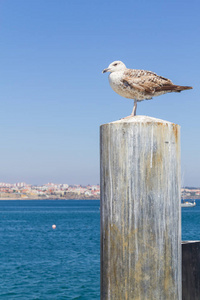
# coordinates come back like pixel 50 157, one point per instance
pixel 52 191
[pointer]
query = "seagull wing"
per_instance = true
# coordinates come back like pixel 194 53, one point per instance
pixel 150 83
pixel 146 81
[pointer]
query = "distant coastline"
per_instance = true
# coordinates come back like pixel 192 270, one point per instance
pixel 73 196
pixel 68 197
pixel 52 191
pixel 49 191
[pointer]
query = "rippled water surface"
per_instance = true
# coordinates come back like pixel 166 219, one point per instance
pixel 191 222
pixel 38 262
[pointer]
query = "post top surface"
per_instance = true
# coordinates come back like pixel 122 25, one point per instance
pixel 141 119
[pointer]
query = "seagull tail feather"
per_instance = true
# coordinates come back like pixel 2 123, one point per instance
pixel 173 88
pixel 179 88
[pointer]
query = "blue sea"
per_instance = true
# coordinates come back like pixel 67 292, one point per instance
pixel 38 262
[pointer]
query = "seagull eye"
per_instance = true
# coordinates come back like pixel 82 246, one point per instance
pixel 115 65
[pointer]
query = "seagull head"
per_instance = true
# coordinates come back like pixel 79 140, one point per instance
pixel 115 66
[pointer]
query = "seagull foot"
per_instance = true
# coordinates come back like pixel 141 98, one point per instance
pixel 128 117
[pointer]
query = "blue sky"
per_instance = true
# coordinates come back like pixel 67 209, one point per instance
pixel 54 96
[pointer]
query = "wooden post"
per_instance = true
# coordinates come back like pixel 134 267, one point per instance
pixel 191 270
pixel 140 210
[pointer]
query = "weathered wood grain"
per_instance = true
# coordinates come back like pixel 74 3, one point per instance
pixel 140 210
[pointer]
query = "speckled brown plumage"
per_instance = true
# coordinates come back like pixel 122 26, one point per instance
pixel 148 84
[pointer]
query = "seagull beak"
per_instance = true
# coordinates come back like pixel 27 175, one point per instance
pixel 105 70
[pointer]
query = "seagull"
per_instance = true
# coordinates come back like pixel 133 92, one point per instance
pixel 139 85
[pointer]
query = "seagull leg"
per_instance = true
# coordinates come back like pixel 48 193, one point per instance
pixel 134 108
pixel 133 112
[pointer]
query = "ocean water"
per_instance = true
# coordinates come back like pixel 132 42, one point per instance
pixel 191 223
pixel 38 262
